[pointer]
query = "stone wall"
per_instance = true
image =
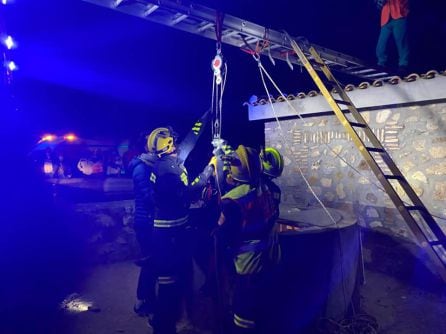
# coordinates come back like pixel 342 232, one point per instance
pixel 414 136
pixel 109 232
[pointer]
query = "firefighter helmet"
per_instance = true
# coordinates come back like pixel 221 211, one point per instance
pixel 246 166
pixel 161 141
pixel 272 162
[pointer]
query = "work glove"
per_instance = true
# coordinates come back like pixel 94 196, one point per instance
pixel 213 162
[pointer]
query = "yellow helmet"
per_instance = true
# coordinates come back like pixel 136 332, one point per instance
pixel 272 162
pixel 161 141
pixel 246 166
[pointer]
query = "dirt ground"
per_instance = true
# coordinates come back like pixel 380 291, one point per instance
pixel 397 307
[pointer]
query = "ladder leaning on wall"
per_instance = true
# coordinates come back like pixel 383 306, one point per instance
pixel 428 233
pixel 201 20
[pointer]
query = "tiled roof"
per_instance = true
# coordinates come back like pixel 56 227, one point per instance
pixel 395 80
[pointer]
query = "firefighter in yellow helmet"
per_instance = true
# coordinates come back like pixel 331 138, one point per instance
pixel 171 230
pixel 272 162
pixel 161 141
pixel 244 224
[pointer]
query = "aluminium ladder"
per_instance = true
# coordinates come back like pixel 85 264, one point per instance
pixel 428 233
pixel 201 20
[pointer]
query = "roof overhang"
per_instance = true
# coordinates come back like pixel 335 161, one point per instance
pixel 420 91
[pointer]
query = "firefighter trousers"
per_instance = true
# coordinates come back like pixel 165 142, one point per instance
pixel 173 265
pixel 250 303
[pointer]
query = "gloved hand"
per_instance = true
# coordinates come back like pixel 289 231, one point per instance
pixel 213 162
pixel 227 149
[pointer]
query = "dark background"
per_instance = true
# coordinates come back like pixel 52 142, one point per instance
pixel 98 72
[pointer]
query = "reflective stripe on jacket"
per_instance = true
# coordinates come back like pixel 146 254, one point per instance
pixel 141 168
pixel 160 223
pixel 172 192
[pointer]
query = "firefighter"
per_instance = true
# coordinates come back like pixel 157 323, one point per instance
pixel 172 232
pixel 272 162
pixel 245 225
pixel 141 168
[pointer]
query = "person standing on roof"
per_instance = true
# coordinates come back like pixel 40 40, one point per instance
pixel 172 194
pixel 245 225
pixel 394 24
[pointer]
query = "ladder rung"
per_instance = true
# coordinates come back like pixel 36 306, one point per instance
pixel 205 26
pixel 118 3
pixel 229 33
pixel 395 177
pixel 320 63
pixel 178 19
pixel 438 243
pixel 375 149
pixel 366 70
pixel 358 125
pixel 150 9
pixel 377 74
pixel 354 68
pixel 343 102
pixel 415 208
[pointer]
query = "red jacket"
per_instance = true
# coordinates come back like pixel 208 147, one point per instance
pixel 394 9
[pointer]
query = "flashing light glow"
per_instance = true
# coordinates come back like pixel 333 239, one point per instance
pixel 4 2
pixel 48 138
pixel 9 42
pixel 70 137
pixel 10 65
pixel 48 167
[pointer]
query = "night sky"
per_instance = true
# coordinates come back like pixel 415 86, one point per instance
pixel 101 73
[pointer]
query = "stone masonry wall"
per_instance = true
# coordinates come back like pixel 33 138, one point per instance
pixel 109 231
pixel 414 136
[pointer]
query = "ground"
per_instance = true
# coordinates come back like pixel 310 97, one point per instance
pixel 397 307
pixel 401 308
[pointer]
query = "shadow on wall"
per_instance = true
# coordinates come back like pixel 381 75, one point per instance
pixel 43 251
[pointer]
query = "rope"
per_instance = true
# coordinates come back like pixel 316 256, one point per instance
pixel 337 155
pixel 220 70
pixel 359 324
pixel 262 71
pixel 219 16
